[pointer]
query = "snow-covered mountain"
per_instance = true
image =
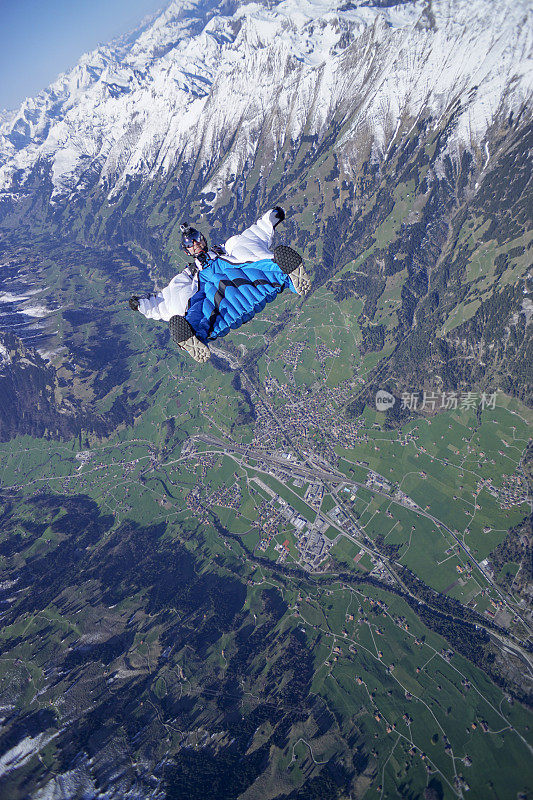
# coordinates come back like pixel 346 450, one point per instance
pixel 210 83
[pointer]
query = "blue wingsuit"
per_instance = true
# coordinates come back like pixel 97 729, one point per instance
pixel 230 295
pixel 229 286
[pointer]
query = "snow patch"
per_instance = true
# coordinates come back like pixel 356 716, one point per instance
pixel 527 309
pixel 7 297
pixel 5 358
pixel 50 355
pixel 22 752
pixel 35 311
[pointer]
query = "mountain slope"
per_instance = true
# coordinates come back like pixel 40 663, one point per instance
pixel 174 96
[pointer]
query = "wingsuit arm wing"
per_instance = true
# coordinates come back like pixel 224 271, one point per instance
pixel 254 243
pixel 153 307
pixel 172 300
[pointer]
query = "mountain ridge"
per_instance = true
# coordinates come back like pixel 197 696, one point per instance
pixel 118 115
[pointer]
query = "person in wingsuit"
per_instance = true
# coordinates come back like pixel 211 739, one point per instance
pixel 225 286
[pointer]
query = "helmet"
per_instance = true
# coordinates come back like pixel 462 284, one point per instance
pixel 190 235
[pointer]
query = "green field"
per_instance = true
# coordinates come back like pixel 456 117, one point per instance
pixel 365 657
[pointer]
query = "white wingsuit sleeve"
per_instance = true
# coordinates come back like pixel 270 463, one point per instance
pixel 172 300
pixel 253 244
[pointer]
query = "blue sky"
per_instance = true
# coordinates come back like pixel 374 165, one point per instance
pixel 41 38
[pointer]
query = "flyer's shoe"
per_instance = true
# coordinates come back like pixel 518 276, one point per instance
pixel 291 263
pixel 197 349
pixel 186 339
